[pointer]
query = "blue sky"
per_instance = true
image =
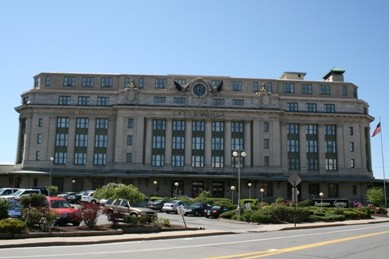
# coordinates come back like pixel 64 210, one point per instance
pixel 254 39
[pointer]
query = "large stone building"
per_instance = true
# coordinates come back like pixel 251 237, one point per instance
pixel 176 134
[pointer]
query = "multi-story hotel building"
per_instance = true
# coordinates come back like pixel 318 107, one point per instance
pixel 176 134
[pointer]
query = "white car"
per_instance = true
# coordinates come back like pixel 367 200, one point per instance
pixel 88 197
pixel 172 206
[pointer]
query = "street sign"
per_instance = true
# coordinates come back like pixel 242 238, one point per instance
pixel 181 210
pixel 294 179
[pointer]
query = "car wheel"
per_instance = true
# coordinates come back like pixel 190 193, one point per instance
pixel 93 201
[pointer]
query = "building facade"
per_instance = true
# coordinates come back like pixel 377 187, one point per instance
pixel 176 134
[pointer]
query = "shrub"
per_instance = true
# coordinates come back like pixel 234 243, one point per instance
pixel 3 209
pixel 12 226
pixel 228 214
pixel 133 220
pixel 40 217
pixel 375 195
pixel 33 200
pixel 161 222
pixel 306 203
pixel 89 214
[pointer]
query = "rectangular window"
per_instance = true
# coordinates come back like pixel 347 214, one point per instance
pixel 331 164
pixel 306 89
pixel 69 81
pixel 288 88
pixel 159 124
pixel 129 140
pixel 266 126
pixel 100 159
pixel 101 140
pixel 313 164
pixel 333 190
pixel 39 139
pixel 79 158
pixel 351 146
pixel 40 122
pixel 178 161
pixel 330 130
pixel 141 83
pixel 160 83
pixel 130 123
pixel 178 125
pixel 83 100
pixel 126 82
pixel 293 128
pixel 198 126
pixel 237 143
pixel 217 161
pixel 158 142
pixel 48 81
pixel 178 142
pixel 216 83
pixel 311 129
pixel 181 82
pixel 63 100
pixel 236 86
pixel 311 146
pixel 293 145
pixel 329 108
pixel 101 123
pixel 81 140
pixel 62 122
pixel 266 144
pixel 87 81
pixel 325 90
pixel 106 82
pixel 102 101
pixel 351 130
pixel 60 158
pixel 330 146
pixel 269 86
pixel 218 102
pixel 179 100
pixel 129 158
pixel 61 140
pixel 159 99
pixel 82 123
pixel 238 102
pixel 158 160
pixel 217 126
pixel 266 160
pixel 197 161
pixel 352 163
pixel 217 143
pixel 37 82
pixel 237 127
pixel 255 87
pixel 293 107
pixel 344 90
pixel 311 107
pixel 37 155
pixel 294 164
pixel 198 143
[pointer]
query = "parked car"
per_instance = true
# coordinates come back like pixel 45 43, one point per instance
pixel 156 205
pixel 22 192
pixel 171 206
pixel 65 195
pixel 88 197
pixel 197 209
pixel 66 212
pixel 14 209
pixel 119 209
pixel 215 211
pixel 76 199
pixel 7 191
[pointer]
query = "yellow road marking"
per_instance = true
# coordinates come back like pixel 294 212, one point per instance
pixel 271 252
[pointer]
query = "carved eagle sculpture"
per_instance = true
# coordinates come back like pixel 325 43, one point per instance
pixel 218 88
pixel 180 87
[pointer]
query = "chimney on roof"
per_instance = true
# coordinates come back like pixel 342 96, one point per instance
pixel 293 75
pixel 335 75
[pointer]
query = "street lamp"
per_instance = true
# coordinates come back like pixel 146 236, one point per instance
pixel 262 192
pixel 249 185
pixel 321 201
pixel 51 165
pixel 155 187
pixel 239 154
pixel 73 185
pixel 176 184
pixel 232 194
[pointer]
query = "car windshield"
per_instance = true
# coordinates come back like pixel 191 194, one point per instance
pixel 14 206
pixel 60 204
pixel 216 207
pixel 17 193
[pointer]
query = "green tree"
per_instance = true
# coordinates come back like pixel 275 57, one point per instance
pixel 375 195
pixel 120 191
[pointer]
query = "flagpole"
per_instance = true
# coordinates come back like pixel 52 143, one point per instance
pixel 383 163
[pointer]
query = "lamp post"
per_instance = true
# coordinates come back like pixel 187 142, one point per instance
pixel 239 154
pixel 176 184
pixel 249 185
pixel 262 192
pixel 155 187
pixel 321 201
pixel 51 165
pixel 73 185
pixel 232 194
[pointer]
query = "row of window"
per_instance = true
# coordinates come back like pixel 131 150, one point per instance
pixel 312 129
pixel 79 158
pixel 84 100
pixel 309 107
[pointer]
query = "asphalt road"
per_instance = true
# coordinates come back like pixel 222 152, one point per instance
pixel 357 241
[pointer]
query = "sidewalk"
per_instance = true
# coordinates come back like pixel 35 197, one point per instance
pixel 80 240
